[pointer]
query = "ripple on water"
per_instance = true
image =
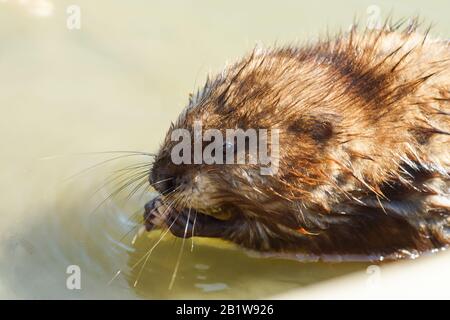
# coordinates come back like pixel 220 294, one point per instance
pixel 101 244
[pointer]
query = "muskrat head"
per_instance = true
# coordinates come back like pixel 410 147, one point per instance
pixel 244 147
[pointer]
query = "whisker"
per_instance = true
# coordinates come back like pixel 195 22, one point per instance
pixel 139 165
pixel 134 175
pixel 115 277
pixel 136 188
pixel 101 163
pixel 118 190
pixel 183 241
pixel 149 252
pixel 143 220
pixel 193 227
pixel 144 256
pixel 120 182
pixel 151 187
pixel 133 228
pixel 55 156
pixel 118 151
pixel 160 181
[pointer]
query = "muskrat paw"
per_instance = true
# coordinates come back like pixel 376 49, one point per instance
pixel 183 223
pixel 156 213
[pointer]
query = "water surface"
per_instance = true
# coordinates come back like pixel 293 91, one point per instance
pixel 116 84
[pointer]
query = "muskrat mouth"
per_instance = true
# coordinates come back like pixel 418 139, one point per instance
pixel 221 213
pixel 158 213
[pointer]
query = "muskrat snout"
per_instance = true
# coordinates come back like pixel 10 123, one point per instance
pixel 162 179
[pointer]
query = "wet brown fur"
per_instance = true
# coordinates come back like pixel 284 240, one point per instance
pixel 365 146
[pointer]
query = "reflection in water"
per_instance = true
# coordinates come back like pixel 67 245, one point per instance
pixel 104 241
pixel 218 270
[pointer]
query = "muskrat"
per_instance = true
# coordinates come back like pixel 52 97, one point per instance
pixel 364 159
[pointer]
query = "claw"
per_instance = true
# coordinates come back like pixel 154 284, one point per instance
pixel 156 213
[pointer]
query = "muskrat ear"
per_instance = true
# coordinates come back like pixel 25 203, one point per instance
pixel 320 129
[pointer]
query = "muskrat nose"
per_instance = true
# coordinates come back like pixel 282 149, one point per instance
pixel 161 180
pixel 162 183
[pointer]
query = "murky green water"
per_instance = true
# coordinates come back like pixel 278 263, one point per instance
pixel 116 84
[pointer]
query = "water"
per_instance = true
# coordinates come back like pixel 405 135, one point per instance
pixel 116 84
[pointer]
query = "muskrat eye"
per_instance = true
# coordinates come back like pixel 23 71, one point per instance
pixel 229 148
pixel 229 151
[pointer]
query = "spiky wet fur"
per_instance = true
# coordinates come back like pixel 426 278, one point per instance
pixel 365 146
